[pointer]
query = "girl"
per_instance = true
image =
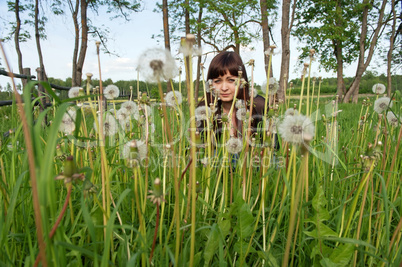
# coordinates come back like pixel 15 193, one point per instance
pixel 223 79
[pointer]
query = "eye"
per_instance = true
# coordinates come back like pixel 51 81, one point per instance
pixel 217 80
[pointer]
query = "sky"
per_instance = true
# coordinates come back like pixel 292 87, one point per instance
pixel 128 40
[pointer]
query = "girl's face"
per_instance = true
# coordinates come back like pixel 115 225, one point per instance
pixel 226 85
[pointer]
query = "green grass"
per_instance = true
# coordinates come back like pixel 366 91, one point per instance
pixel 347 213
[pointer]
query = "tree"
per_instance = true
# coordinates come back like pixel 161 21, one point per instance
pixel 331 28
pixel 19 28
pixel 230 24
pixel 286 28
pixel 83 27
pixel 392 38
pixel 39 22
pixel 367 45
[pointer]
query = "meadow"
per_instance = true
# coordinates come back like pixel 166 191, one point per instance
pixel 134 183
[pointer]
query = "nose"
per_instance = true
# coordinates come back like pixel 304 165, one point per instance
pixel 225 86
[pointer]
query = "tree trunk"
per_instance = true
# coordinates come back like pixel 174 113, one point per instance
pixel 74 12
pixel 340 83
pixel 37 38
pixel 362 65
pixel 17 38
pixel 265 32
pixel 391 48
pixel 285 36
pixel 197 81
pixel 84 42
pixel 338 50
pixel 187 59
pixel 166 34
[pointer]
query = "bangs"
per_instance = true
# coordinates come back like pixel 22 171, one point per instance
pixel 224 62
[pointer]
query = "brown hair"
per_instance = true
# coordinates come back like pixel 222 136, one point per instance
pixel 229 61
pixel 222 63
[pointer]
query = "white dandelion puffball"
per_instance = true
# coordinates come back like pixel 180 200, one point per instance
pixel 253 93
pixel 130 107
pixel 382 104
pixel 273 86
pixel 201 113
pixel 239 103
pixel 208 86
pixel 187 50
pixel 109 125
pixel 379 88
pixel 123 116
pixel 157 64
pixel 134 149
pixel 392 119
pixel 234 145
pixel 296 129
pixel 67 124
pixel 74 92
pixel 291 112
pixel 111 92
pixel 171 98
pixel 241 114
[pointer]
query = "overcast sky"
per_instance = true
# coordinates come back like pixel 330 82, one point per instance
pixel 128 40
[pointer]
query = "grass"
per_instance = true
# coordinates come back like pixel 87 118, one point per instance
pixel 336 203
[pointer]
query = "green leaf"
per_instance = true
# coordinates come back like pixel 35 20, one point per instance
pixel 224 226
pixel 212 244
pixel 321 231
pixel 342 254
pixel 327 263
pixel 319 203
pixel 245 221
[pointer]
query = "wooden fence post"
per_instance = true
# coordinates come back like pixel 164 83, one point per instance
pixel 44 99
pixel 26 72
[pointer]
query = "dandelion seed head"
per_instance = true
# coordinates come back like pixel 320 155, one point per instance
pixel 109 125
pixel 382 104
pixel 201 113
pixel 67 124
pixel 74 92
pixel 123 117
pixel 379 88
pixel 241 114
pixel 392 119
pixel 273 86
pixel 234 145
pixel 240 104
pixel 134 150
pixel 296 129
pixel 156 64
pixel 131 109
pixel 253 93
pixel 111 92
pixel 291 112
pixel 171 98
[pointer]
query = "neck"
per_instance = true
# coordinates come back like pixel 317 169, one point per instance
pixel 226 107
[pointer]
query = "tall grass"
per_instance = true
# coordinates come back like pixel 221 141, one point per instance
pixel 336 201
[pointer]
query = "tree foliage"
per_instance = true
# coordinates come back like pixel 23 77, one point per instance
pixel 323 25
